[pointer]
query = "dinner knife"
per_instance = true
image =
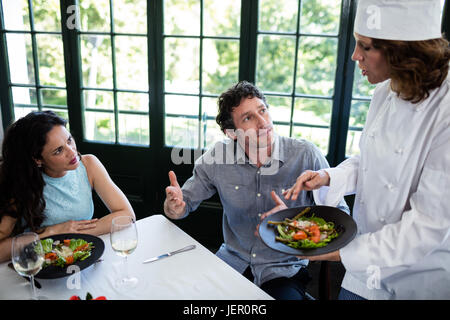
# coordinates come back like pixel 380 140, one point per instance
pixel 169 254
pixel 36 283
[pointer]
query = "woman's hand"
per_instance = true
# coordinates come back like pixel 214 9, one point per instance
pixel 332 256
pixel 308 180
pixel 73 226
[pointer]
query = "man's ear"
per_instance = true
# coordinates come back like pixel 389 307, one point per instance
pixel 230 133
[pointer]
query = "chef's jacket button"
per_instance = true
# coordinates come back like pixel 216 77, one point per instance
pixel 390 186
pixel 259 194
pixel 365 169
pixel 254 255
pixel 382 220
pixel 399 151
pixel 237 187
pixel 372 134
pixel 361 201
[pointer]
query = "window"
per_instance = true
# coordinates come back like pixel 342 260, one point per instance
pixel 201 51
pixel 36 58
pixel 144 71
pixel 296 65
pixel 114 61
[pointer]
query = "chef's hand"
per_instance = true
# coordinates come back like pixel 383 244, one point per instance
pixel 174 206
pixel 332 256
pixel 308 180
pixel 280 205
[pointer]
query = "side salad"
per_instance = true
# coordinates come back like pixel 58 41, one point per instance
pixel 305 232
pixel 66 252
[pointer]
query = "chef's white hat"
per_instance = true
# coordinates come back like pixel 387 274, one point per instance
pixel 407 20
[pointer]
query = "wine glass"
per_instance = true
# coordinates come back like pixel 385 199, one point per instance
pixel 27 257
pixel 124 241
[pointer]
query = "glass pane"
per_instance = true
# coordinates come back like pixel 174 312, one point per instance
pixel 275 63
pixel 361 87
pixel 281 130
pixel 96 61
pixel 182 17
pixel 20 55
pixel 132 101
pixel 313 111
pixel 99 126
pixel 134 129
pixel 25 96
pixel 221 18
pixel 278 16
pixel 209 107
pixel 130 16
pixel 220 65
pixel 358 113
pixel 320 16
pixel 279 108
pixel 318 136
pixel 131 63
pixel 16 14
pixel 316 67
pixel 95 15
pixel 211 134
pixel 182 132
pixel 182 65
pixel 51 60
pixel 183 105
pixel 54 97
pixel 20 112
pixel 98 99
pixel 62 113
pixel 352 147
pixel 47 15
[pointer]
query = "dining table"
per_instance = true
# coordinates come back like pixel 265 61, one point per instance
pixel 196 274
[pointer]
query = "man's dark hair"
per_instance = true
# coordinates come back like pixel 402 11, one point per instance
pixel 231 98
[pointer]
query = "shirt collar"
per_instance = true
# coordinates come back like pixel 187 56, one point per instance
pixel 277 151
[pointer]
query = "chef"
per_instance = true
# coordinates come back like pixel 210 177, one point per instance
pixel 402 176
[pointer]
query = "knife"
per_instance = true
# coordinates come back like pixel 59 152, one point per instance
pixel 169 254
pixel 36 283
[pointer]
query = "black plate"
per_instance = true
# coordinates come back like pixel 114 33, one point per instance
pixel 53 272
pixel 344 224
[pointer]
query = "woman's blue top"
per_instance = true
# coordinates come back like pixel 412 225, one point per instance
pixel 68 197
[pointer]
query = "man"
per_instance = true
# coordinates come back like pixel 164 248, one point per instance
pixel 249 171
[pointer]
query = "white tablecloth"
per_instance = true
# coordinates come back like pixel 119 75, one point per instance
pixel 195 274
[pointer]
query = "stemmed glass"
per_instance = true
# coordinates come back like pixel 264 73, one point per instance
pixel 27 257
pixel 124 241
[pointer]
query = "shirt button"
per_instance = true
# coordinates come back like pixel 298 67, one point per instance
pixel 372 134
pixel 258 172
pixel 399 151
pixel 282 190
pixel 259 194
pixel 254 255
pixel 259 214
pixel 382 220
pixel 236 187
pixel 390 186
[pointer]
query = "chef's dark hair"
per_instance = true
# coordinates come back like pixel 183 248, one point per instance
pixel 21 181
pixel 231 98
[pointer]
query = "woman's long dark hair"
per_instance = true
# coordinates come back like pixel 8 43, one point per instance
pixel 21 182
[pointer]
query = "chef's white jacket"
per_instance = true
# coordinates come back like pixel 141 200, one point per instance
pixel 402 206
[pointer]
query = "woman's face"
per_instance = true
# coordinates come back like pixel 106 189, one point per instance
pixel 59 154
pixel 370 60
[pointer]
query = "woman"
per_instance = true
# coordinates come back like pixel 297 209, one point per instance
pixel 46 185
pixel 401 178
